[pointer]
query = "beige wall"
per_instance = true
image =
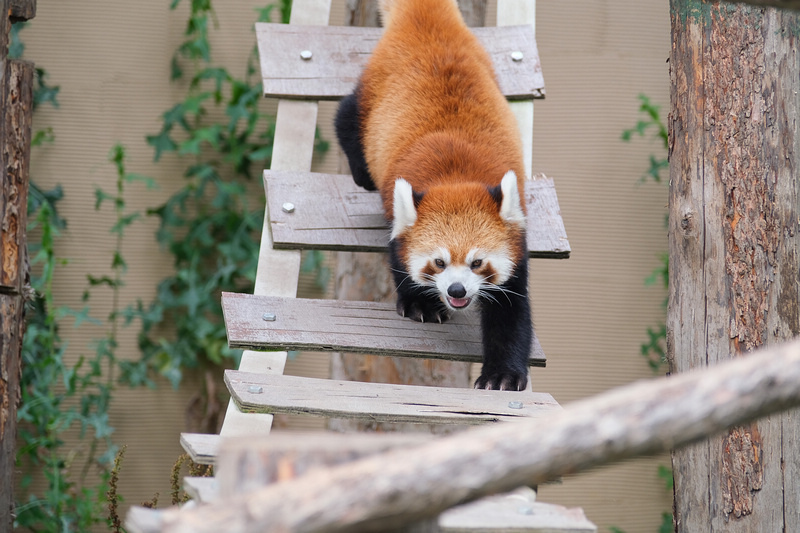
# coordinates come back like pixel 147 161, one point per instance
pixel 111 60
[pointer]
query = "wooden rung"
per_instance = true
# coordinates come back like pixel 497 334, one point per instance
pixel 332 213
pixel 382 402
pixel 201 489
pixel 201 447
pixel 338 54
pixel 245 465
pixel 516 512
pixel 349 326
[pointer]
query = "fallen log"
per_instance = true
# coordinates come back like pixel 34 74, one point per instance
pixel 416 483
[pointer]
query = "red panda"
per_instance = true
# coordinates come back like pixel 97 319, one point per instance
pixel 428 127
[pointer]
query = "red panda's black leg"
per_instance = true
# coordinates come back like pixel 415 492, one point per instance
pixel 348 131
pixel 414 301
pixel 507 333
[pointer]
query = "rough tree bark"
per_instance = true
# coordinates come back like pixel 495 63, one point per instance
pixel 362 276
pixel 16 102
pixel 734 264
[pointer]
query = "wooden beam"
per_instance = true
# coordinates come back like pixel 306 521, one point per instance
pixel 406 486
pixel 338 54
pixel 342 325
pixel 383 402
pixel 330 212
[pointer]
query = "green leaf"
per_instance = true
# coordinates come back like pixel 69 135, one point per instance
pixel 162 143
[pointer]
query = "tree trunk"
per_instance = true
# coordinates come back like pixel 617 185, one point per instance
pixel 734 191
pixel 363 276
pixel 16 101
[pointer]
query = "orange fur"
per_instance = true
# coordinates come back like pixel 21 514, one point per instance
pixel 433 112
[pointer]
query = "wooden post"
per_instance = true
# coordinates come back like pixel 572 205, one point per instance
pixel 733 244
pixel 16 101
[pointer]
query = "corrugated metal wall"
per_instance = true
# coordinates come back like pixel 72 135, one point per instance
pixel 111 60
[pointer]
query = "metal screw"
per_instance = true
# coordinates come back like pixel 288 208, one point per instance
pixel 269 317
pixel 255 389
pixel 515 405
pixel 526 510
pixel 305 55
pixel 288 207
pixel 517 56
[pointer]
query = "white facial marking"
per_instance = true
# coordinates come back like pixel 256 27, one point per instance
pixel 511 207
pixel 405 214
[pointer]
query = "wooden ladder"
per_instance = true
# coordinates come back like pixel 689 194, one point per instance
pixel 302 63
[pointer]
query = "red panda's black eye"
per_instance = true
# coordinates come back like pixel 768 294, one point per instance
pixel 439 263
pixel 477 263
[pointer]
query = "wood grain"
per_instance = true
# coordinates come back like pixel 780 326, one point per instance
pixel 332 213
pixel 16 101
pixel 362 327
pixel 409 485
pixel 382 401
pixel 339 54
pixel 734 247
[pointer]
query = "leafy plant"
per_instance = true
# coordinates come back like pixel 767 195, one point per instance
pixel 654 348
pixel 212 224
pixel 57 396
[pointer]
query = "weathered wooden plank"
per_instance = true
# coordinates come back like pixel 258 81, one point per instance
pixel 22 10
pixel 361 327
pixel 408 485
pixel 382 401
pixel 515 512
pixel 244 465
pixel 330 212
pixel 201 447
pixel 201 489
pixel 339 53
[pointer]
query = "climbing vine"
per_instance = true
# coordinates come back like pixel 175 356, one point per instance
pixel 211 225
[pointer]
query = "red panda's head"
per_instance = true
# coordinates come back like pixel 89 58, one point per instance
pixel 460 239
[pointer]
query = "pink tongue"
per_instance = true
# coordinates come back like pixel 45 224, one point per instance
pixel 458 302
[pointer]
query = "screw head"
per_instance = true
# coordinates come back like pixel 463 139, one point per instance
pixel 288 207
pixel 517 56
pixel 269 317
pixel 255 389
pixel 305 55
pixel 515 405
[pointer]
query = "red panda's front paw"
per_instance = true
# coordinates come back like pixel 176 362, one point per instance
pixel 508 380
pixel 422 310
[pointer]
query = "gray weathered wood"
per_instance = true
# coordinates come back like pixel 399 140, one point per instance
pixel 201 489
pixel 515 512
pixel 734 247
pixel 201 447
pixel 245 465
pixel 332 213
pixel 405 486
pixel 339 54
pixel 266 393
pixel 363 327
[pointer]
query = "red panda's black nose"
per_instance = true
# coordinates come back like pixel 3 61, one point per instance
pixel 456 290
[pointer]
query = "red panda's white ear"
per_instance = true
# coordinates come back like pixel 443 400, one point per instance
pixel 511 206
pixel 403 208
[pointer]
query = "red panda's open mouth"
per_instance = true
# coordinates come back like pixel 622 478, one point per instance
pixel 458 303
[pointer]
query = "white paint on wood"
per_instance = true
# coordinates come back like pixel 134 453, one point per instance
pixel 201 447
pixel 201 489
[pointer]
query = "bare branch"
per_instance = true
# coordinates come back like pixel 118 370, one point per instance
pixel 409 485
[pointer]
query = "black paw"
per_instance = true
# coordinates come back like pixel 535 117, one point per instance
pixel 422 310
pixel 508 380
